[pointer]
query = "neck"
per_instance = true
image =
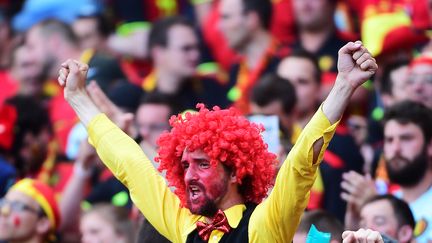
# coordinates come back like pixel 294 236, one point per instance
pixel 167 83
pixel 255 50
pixel 312 40
pixel 230 199
pixel 410 194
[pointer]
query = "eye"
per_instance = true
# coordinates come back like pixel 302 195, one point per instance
pixel 185 165
pixel 204 164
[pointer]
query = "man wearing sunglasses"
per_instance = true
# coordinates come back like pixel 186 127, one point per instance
pixel 28 213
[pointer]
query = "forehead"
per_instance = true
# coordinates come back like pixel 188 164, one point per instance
pixel 194 155
pixel 380 207
pixel 296 66
pixel 33 34
pixel 14 195
pixel 179 34
pixel 421 69
pixel 85 23
pixel 394 128
pixel 159 112
pixel 231 6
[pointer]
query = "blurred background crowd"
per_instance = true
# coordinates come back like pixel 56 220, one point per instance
pixel 150 59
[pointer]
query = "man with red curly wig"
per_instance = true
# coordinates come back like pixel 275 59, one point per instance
pixel 219 164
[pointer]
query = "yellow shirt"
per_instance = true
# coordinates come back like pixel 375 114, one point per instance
pixel 274 220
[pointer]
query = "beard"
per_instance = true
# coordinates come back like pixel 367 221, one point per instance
pixel 413 171
pixel 205 207
pixel 209 196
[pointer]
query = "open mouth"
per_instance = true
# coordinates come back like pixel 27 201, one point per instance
pixel 194 192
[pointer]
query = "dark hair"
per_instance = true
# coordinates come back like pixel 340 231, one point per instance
pixel 162 99
pixel 32 116
pixel 323 221
pixel 401 209
pixel 263 8
pixel 159 32
pixel 103 24
pixel 304 54
pixel 386 82
pixel 50 27
pixel 272 88
pixel 411 112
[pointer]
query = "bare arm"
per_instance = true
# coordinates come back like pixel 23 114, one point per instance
pixel 355 66
pixel 72 76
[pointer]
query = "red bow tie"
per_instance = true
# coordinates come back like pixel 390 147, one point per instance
pixel 220 222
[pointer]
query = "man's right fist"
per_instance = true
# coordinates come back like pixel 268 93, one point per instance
pixel 72 76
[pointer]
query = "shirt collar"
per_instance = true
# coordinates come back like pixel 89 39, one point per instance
pixel 234 214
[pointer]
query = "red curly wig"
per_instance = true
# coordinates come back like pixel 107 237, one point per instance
pixel 226 137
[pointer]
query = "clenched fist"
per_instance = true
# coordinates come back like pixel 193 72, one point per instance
pixel 72 76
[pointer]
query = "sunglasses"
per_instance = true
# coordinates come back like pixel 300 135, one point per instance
pixel 17 206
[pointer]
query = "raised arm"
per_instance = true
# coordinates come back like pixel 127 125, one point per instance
pixel 355 66
pixel 280 213
pixel 72 77
pixel 124 157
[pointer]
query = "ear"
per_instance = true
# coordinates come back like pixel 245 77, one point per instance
pixel 43 226
pixel 405 233
pixel 233 177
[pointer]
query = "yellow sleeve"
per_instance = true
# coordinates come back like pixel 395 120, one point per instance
pixel 276 218
pixel 147 188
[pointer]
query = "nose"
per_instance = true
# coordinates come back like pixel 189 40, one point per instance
pixel 190 174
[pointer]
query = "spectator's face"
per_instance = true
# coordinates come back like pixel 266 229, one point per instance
pixel 206 185
pixel 38 51
pixel 182 54
pixel 379 216
pixel 233 23
pixel 151 121
pixel 34 150
pixel 95 229
pixel 399 78
pixel 87 32
pixel 19 217
pixel 300 72
pixel 27 72
pixel 405 153
pixel 357 126
pixel 419 85
pixel 312 14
